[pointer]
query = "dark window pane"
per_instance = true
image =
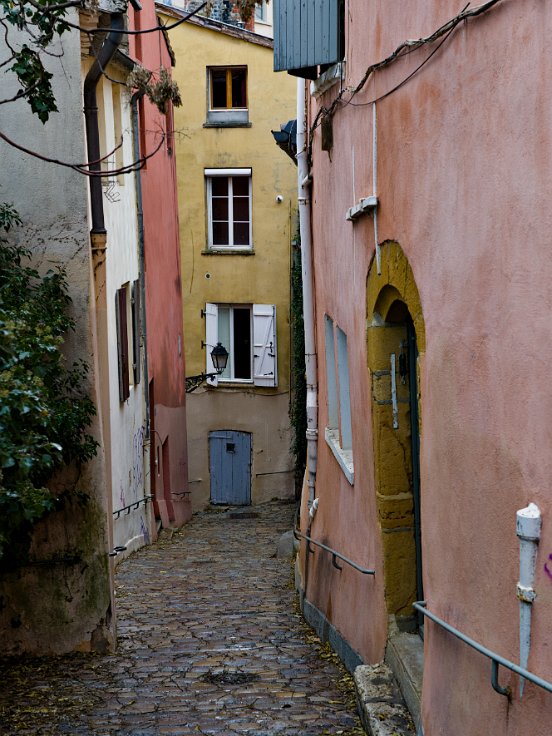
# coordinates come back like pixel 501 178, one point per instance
pixel 240 186
pixel 220 233
pixel 241 233
pixel 219 186
pixel 242 343
pixel 220 208
pixel 218 87
pixel 239 87
pixel 241 209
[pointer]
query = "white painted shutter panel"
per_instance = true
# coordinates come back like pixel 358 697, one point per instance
pixel 211 339
pixel 265 366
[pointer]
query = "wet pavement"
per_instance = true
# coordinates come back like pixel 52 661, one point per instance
pixel 210 642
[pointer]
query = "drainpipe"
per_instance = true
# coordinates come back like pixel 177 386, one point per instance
pixel 141 248
pixel 528 529
pixel 98 239
pixel 304 207
pixel 106 52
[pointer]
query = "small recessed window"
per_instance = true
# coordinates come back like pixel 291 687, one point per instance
pixel 229 88
pixel 227 96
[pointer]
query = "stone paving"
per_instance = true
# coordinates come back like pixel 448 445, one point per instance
pixel 210 642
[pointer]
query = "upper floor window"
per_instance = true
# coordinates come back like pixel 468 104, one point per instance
pixel 127 320
pixel 227 93
pixel 261 12
pixel 229 209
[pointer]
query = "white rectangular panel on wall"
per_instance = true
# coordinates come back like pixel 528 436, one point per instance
pixel 211 339
pixel 265 365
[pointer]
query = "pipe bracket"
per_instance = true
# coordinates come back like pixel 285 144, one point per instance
pixel 506 691
pixel 525 594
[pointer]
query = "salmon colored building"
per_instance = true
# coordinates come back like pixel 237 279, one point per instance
pixel 424 188
pixel 159 235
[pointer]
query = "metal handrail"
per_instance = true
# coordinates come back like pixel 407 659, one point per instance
pixel 496 659
pixel 333 553
pixel 133 506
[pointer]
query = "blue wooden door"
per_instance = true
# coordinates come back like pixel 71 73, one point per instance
pixel 230 467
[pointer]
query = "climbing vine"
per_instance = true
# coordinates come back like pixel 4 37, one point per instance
pixel 298 405
pixel 44 410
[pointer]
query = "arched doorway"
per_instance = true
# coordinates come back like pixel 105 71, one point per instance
pixel 396 337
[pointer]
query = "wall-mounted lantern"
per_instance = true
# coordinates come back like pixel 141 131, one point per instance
pixel 219 356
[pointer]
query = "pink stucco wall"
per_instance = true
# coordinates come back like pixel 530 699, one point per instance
pixel 464 180
pixel 163 286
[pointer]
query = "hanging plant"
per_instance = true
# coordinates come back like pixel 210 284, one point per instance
pixel 158 90
pixel 245 8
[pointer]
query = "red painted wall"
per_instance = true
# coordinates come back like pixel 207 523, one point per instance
pixel 165 347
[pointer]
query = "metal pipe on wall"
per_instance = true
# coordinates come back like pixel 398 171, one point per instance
pixel 528 529
pixel 303 200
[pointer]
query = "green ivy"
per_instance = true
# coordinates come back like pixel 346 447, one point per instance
pixel 298 406
pixel 44 411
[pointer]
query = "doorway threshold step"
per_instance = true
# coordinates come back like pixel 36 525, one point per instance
pixel 380 704
pixel 405 657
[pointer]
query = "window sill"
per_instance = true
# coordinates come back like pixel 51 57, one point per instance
pixel 228 252
pixel 343 457
pixel 325 81
pixel 227 119
pixel 226 125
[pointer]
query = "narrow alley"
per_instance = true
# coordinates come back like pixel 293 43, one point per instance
pixel 210 642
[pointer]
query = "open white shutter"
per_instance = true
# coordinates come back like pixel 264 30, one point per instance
pixel 211 339
pixel 265 366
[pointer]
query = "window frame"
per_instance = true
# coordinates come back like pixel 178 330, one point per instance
pixel 228 116
pixel 230 367
pixel 230 174
pixel 228 70
pixel 261 12
pixel 338 432
pixel 123 342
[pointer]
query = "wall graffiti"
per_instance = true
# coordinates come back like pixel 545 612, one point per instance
pixel 137 480
pixel 144 530
pixel 548 568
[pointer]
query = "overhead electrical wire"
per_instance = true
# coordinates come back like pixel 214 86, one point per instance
pixel 402 50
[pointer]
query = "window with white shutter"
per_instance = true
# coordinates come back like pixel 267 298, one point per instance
pixel 248 332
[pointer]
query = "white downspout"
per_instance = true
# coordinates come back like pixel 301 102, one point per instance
pixel 528 529
pixel 303 200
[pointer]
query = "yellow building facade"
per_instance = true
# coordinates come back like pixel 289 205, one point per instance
pixel 237 214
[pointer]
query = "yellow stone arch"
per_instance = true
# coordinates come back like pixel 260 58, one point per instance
pixel 396 336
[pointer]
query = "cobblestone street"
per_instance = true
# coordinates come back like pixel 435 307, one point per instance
pixel 210 642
